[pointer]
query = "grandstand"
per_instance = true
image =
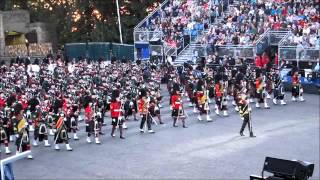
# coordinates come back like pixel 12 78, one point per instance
pixel 188 30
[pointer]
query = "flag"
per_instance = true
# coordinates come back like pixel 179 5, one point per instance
pixel 21 124
pixel 59 123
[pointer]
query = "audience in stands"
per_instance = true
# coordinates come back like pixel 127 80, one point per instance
pixel 181 17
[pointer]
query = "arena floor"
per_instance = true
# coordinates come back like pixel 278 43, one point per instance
pixel 203 151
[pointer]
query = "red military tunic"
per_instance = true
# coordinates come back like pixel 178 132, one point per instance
pixel 115 109
pixel 258 83
pixel 295 80
pixel 199 95
pixel 258 61
pixel 88 114
pixel 217 90
pixel 175 102
pixel 141 107
pixel 2 103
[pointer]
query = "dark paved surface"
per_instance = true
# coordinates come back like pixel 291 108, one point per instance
pixel 203 151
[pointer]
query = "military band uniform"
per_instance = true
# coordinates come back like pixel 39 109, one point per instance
pixel 177 110
pixel 144 112
pixel 61 134
pixel 21 129
pixel 117 120
pixel 244 111
pixel 4 133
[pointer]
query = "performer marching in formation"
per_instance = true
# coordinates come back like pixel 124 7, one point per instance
pixel 40 129
pixel 4 132
pixel 22 130
pixel 278 91
pixel 245 114
pixel 261 90
pixel 144 103
pixel 61 135
pixel 220 95
pixel 116 109
pixel 297 90
pixel 202 101
pixel 52 102
pixel 91 123
pixel 177 109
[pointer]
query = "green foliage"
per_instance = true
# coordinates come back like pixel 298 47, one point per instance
pixel 88 27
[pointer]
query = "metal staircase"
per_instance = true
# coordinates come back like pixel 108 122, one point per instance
pixel 190 53
pixel 194 50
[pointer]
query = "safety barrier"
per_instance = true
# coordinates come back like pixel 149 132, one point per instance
pixel 146 36
pixel 269 38
pixel 295 53
pixel 288 50
pixel 146 20
pixel 5 165
pixel 123 51
pixel 156 50
pixel 97 50
pixel 241 51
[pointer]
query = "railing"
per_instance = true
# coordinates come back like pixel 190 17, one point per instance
pixel 262 43
pixel 200 50
pixel 156 50
pixel 170 51
pixel 196 35
pixel 275 37
pixel 11 159
pixel 290 51
pixel 270 38
pixel 145 20
pixel 183 49
pixel 146 36
pixel 241 51
pixel 296 53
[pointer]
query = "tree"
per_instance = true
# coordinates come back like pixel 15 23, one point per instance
pixel 93 20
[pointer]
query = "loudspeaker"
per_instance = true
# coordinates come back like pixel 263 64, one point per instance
pixel 287 169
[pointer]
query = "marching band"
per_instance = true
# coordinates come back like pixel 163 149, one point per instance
pixel 54 100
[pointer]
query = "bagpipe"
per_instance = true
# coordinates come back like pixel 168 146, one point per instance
pixel 41 123
pixel 60 130
pixel 145 109
pixel 278 84
pixel 43 128
pixel 181 112
pixel 22 130
pixel 224 89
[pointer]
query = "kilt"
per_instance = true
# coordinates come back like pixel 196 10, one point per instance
pixel 116 121
pixel 3 136
pixel 155 112
pixel 62 135
pixel 295 91
pixel 175 113
pixel 90 126
pixel 25 141
pixel 211 92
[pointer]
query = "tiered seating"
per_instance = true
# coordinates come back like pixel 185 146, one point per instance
pixel 247 21
pixel 180 17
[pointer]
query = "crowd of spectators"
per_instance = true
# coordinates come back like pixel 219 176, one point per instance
pixel 249 19
pixel 181 17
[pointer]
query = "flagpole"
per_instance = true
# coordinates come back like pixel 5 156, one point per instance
pixel 119 22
